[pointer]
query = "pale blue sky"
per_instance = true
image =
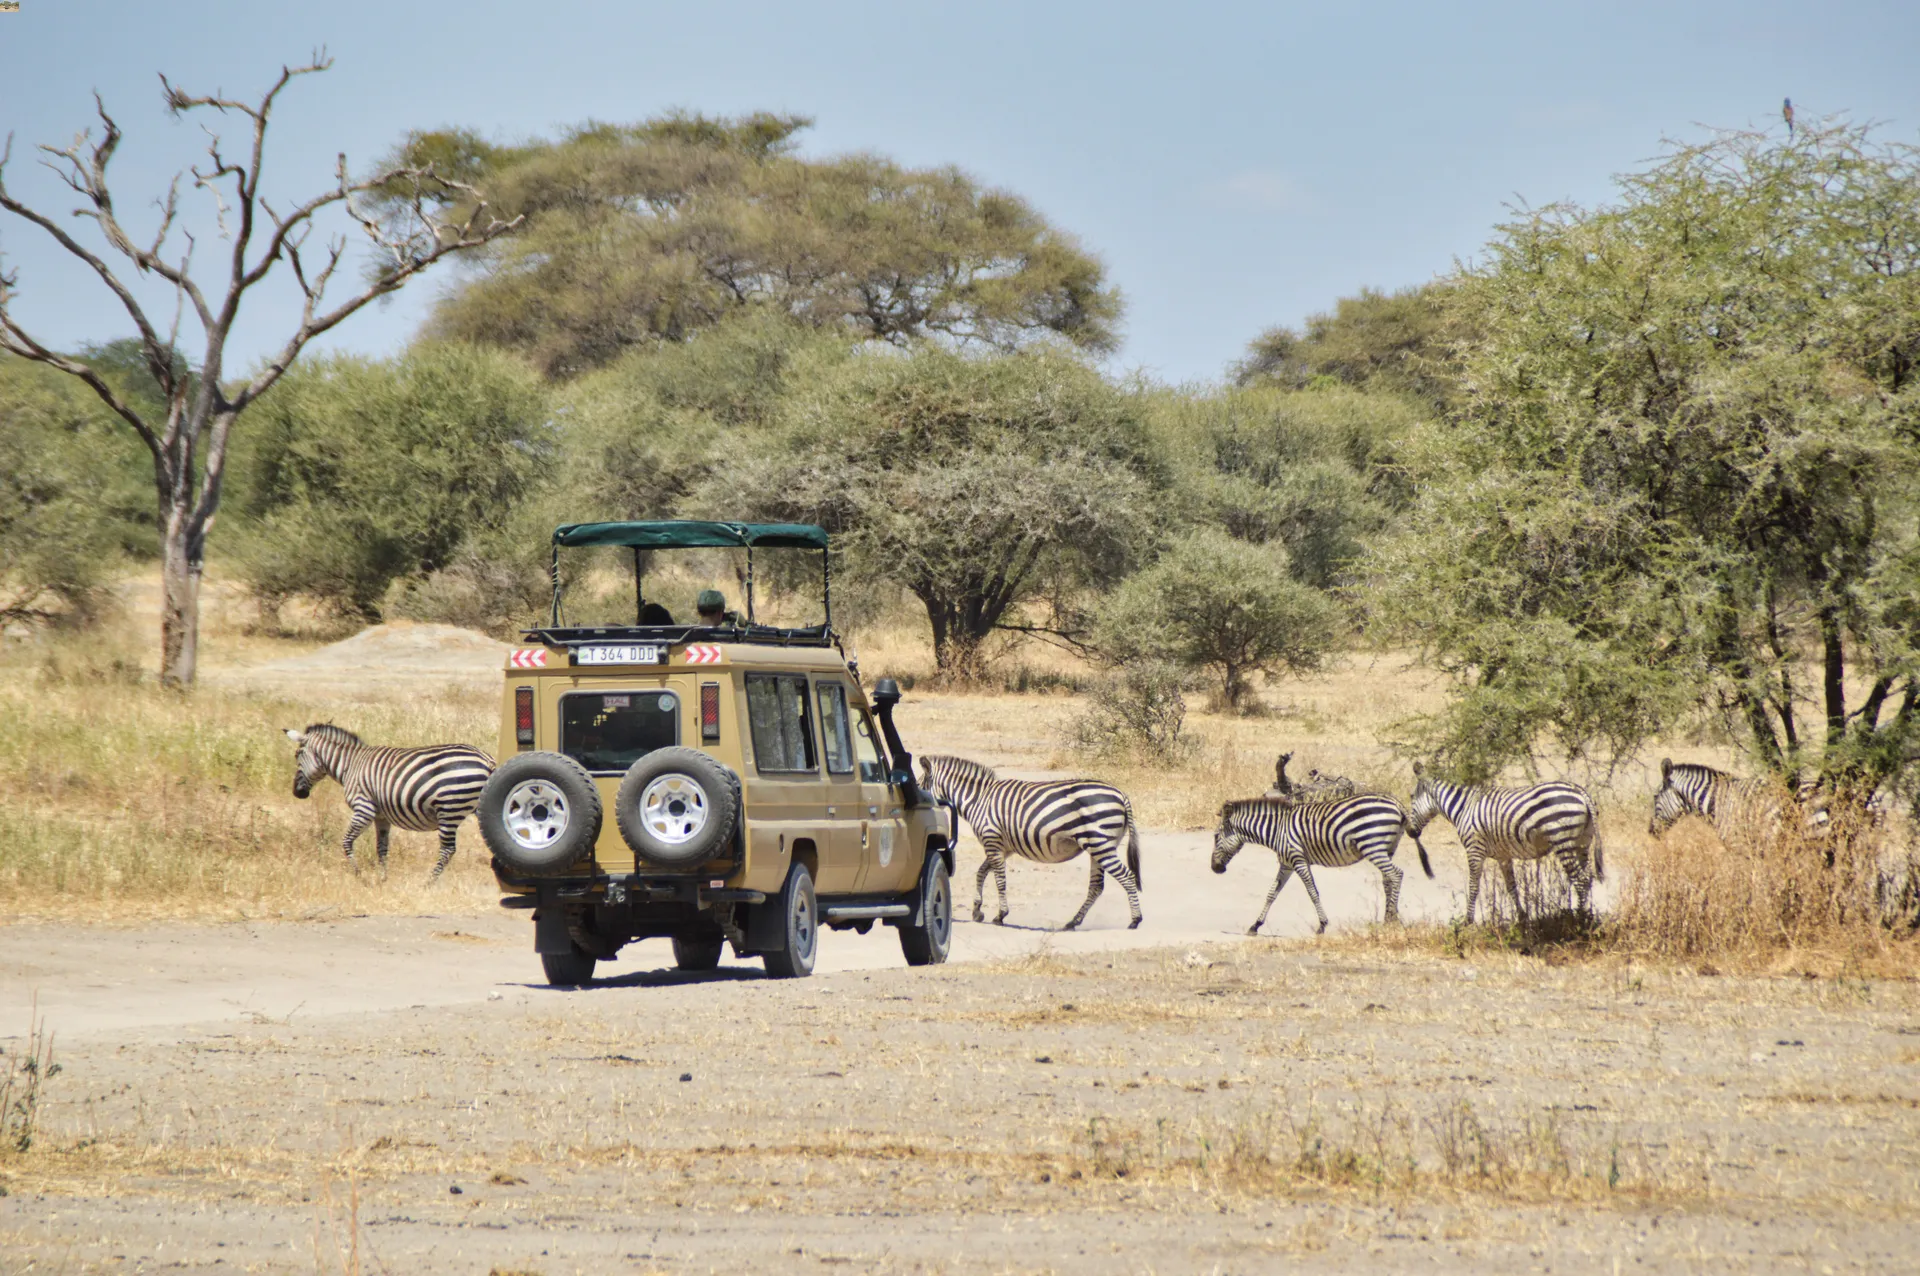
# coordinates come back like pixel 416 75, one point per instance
pixel 1235 165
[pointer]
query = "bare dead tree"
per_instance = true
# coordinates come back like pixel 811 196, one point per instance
pixel 189 447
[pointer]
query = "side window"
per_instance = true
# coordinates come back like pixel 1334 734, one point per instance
pixel 867 749
pixel 833 727
pixel 782 727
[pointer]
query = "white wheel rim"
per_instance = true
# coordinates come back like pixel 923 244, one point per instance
pixel 535 814
pixel 803 924
pixel 674 809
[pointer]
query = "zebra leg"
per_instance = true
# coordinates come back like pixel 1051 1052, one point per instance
pixel 1391 877
pixel 1000 883
pixel 1576 865
pixel 381 830
pixel 1313 893
pixel 1286 871
pixel 1128 883
pixel 362 816
pixel 1513 889
pixel 448 828
pixel 980 887
pixel 1475 862
pixel 1096 884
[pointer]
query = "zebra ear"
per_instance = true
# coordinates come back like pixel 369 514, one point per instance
pixel 1417 768
pixel 295 736
pixel 1666 769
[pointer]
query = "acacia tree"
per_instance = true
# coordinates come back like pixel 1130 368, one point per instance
pixel 1685 474
pixel 188 439
pixel 976 483
pixel 642 233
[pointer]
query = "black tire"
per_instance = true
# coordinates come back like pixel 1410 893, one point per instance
pixel 698 952
pixel 695 806
pixel 539 812
pixel 929 943
pixel 800 917
pixel 568 969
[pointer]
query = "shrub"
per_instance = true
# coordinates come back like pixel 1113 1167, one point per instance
pixel 1138 711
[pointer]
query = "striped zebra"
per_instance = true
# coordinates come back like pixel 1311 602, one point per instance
pixel 1507 824
pixel 1732 805
pixel 1050 821
pixel 417 789
pixel 1329 834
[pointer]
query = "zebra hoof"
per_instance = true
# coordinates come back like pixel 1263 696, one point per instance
pixel 1254 929
pixel 979 914
pixel 1321 930
pixel 1134 924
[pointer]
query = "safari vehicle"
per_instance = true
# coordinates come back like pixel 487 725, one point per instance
pixel 757 793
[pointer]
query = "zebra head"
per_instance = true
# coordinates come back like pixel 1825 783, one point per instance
pixel 1227 839
pixel 308 769
pixel 1670 803
pixel 1425 806
pixel 321 746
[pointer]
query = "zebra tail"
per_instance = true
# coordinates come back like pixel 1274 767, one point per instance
pixel 1425 866
pixel 1599 855
pixel 1133 848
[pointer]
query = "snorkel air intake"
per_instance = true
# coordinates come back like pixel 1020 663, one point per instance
pixel 886 694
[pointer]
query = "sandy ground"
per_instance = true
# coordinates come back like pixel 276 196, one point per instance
pixel 403 1094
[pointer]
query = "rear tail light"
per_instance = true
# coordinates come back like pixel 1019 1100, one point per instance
pixel 523 717
pixel 709 711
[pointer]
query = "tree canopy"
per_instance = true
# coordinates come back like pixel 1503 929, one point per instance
pixel 1397 342
pixel 649 232
pixel 977 484
pixel 1683 475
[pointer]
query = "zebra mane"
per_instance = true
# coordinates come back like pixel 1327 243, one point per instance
pixel 335 734
pixel 1701 768
pixel 962 768
pixel 1236 805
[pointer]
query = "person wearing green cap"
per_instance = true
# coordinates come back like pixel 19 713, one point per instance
pixel 712 606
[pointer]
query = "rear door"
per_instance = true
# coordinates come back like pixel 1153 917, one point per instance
pixel 845 865
pixel 784 790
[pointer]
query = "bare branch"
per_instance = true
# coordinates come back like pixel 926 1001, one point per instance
pixel 16 340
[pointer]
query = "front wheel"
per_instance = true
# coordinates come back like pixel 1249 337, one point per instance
pixel 800 912
pixel 928 943
pixel 697 952
pixel 569 969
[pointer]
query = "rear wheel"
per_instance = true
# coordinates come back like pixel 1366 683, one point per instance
pixel 928 943
pixel 568 969
pixel 800 913
pixel 697 952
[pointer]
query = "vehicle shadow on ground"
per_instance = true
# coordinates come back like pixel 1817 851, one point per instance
pixel 662 978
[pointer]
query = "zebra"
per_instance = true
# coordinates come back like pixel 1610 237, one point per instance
pixel 1317 787
pixel 1050 821
pixel 1732 805
pixel 1547 819
pixel 1332 834
pixel 416 789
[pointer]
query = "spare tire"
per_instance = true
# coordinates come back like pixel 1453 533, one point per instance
pixel 539 812
pixel 677 808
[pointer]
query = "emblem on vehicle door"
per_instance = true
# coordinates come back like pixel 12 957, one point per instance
pixel 886 845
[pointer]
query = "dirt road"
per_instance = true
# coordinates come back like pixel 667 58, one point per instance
pixel 382 1094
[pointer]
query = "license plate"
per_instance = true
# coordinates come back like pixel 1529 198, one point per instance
pixel 642 654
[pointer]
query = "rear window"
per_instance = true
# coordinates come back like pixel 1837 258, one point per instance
pixel 607 732
pixel 782 727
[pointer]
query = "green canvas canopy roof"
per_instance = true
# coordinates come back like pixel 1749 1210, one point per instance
pixel 693 534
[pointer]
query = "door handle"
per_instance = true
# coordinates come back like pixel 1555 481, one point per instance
pixel 832 811
pixel 873 810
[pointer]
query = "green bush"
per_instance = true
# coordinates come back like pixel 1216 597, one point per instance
pixel 361 473
pixel 1212 602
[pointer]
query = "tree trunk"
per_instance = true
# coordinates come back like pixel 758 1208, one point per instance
pixel 181 566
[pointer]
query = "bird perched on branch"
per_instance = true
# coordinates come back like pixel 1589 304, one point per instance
pixel 1786 113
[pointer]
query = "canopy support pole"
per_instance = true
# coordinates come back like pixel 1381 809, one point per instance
pixel 640 599
pixel 826 587
pixel 749 585
pixel 553 574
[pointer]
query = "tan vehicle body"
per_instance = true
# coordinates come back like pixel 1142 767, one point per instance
pixel 856 834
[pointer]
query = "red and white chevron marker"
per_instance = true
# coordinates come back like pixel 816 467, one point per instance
pixel 527 658
pixel 702 654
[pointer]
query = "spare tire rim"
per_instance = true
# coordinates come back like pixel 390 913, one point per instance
pixel 535 814
pixel 674 809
